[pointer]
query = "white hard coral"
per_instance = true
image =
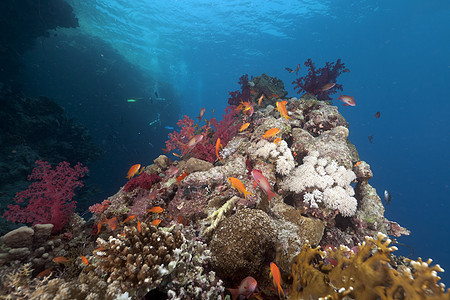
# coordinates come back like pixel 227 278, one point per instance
pixel 330 184
pixel 280 153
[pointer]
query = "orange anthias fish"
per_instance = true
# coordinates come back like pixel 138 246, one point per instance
pixel 239 186
pixel 348 100
pixel 129 219
pixel 193 142
pixel 246 288
pixel 275 274
pixel 202 113
pixel 139 226
pixel 45 273
pixel 60 260
pixel 156 222
pixel 281 107
pixel 260 99
pixel 134 170
pixel 218 146
pixel 271 132
pixel 248 108
pixel 156 210
pixel 244 126
pixel 263 183
pixel 277 141
pixel 327 86
pixel 85 260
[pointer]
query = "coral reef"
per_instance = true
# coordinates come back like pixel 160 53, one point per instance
pixel 182 230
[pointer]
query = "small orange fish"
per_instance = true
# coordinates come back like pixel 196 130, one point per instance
pixel 248 108
pixel 99 249
pixel 60 260
pixel 129 219
pixel 45 273
pixel 348 100
pixel 139 226
pixel 328 86
pixel 277 141
pixel 202 113
pixel 177 155
pixel 271 132
pixel 156 210
pixel 260 99
pixel 133 170
pixel 244 126
pixel 218 146
pixel 239 186
pixel 156 222
pixel 275 96
pixel 85 260
pixel 112 223
pixel 275 274
pixel 99 227
pixel 281 107
pixel 181 177
pixel 357 164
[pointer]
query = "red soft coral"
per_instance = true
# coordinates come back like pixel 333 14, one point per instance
pixel 178 140
pixel 49 197
pixel 144 181
pixel 314 82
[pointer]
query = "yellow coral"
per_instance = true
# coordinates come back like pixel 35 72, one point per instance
pixel 365 275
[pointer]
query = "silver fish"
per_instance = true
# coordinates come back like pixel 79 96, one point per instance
pixel 387 196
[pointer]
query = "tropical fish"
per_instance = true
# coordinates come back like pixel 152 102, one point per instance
pixel 156 222
pixel 276 96
pixel 356 164
pixel 168 127
pixel 277 141
pixel 371 138
pixel 85 260
pixel 275 274
pixel 271 132
pixel 45 273
pixel 246 288
pixel 387 196
pixel 60 260
pixel 139 226
pixel 112 223
pixel 156 210
pixel 182 176
pixel 328 86
pixel 377 115
pixel 296 70
pixel 133 170
pixel 281 107
pixel 131 100
pixel 260 99
pixel 248 108
pixel 348 100
pixel 99 249
pixel 244 126
pixel 129 219
pixel 263 183
pixel 172 171
pixel 346 71
pixel 202 113
pixel 193 142
pixel 218 146
pixel 289 70
pixel 239 186
pixel 253 92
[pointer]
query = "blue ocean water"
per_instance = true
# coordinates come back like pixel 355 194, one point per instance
pixel 193 52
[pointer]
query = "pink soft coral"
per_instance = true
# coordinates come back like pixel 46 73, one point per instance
pixel 144 181
pixel 49 197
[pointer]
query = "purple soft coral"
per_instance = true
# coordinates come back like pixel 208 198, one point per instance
pixel 315 83
pixel 144 181
pixel 244 95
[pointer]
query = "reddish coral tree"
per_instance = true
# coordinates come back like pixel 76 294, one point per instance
pixel 177 140
pixel 144 181
pixel 49 198
pixel 316 79
pixel 244 95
